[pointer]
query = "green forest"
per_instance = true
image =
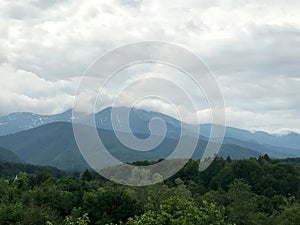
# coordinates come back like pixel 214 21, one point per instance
pixel 241 192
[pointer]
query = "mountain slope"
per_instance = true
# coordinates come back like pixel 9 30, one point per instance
pixel 272 151
pixel 17 122
pixel 11 169
pixel 9 156
pixel 54 145
pixel 51 144
pixel 276 146
pixel 289 141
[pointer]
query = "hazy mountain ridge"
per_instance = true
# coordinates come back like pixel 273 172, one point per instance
pixel 54 145
pixel 139 121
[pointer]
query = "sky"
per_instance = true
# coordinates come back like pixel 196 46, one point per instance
pixel 252 47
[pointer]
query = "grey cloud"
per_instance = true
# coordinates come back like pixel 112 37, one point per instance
pixel 252 46
pixel 45 4
pixel 19 10
pixel 133 3
pixel 269 50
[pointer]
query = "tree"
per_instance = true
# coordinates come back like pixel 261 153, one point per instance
pixel 40 215
pixel 77 217
pixel 87 176
pixel 228 159
pixel 177 211
pixel 50 196
pixel 11 214
pixel 290 216
pixel 109 206
pixel 242 203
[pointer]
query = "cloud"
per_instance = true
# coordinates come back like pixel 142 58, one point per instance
pixel 268 50
pixel 252 46
pixel 24 91
pixel 266 121
pixel 61 40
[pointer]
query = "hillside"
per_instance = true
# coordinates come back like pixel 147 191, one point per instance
pixel 287 144
pixel 55 145
pixel 20 121
pixel 7 155
pixel 277 146
pixel 11 169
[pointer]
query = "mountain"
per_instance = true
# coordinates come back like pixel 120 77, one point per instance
pixel 139 121
pixel 287 145
pixel 51 144
pixel 9 156
pixel 272 151
pixel 20 121
pixel 276 146
pixel 54 145
pixel 273 145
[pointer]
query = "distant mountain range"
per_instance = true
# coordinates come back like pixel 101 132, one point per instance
pixel 20 121
pixel 139 120
pixel 54 145
pixel 49 140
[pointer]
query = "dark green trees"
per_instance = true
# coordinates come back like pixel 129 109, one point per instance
pixel 112 205
pixel 255 191
pixel 178 211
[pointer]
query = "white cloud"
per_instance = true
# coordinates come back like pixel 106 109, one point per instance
pixel 266 121
pixel 25 91
pixel 252 46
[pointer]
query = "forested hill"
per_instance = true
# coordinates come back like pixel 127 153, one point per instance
pixel 7 155
pixel 11 169
pixel 54 145
pixel 243 192
pixel 279 146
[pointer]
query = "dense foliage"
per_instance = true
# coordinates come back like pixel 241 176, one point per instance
pixel 11 169
pixel 253 191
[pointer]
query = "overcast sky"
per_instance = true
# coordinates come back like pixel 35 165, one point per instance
pixel 253 48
